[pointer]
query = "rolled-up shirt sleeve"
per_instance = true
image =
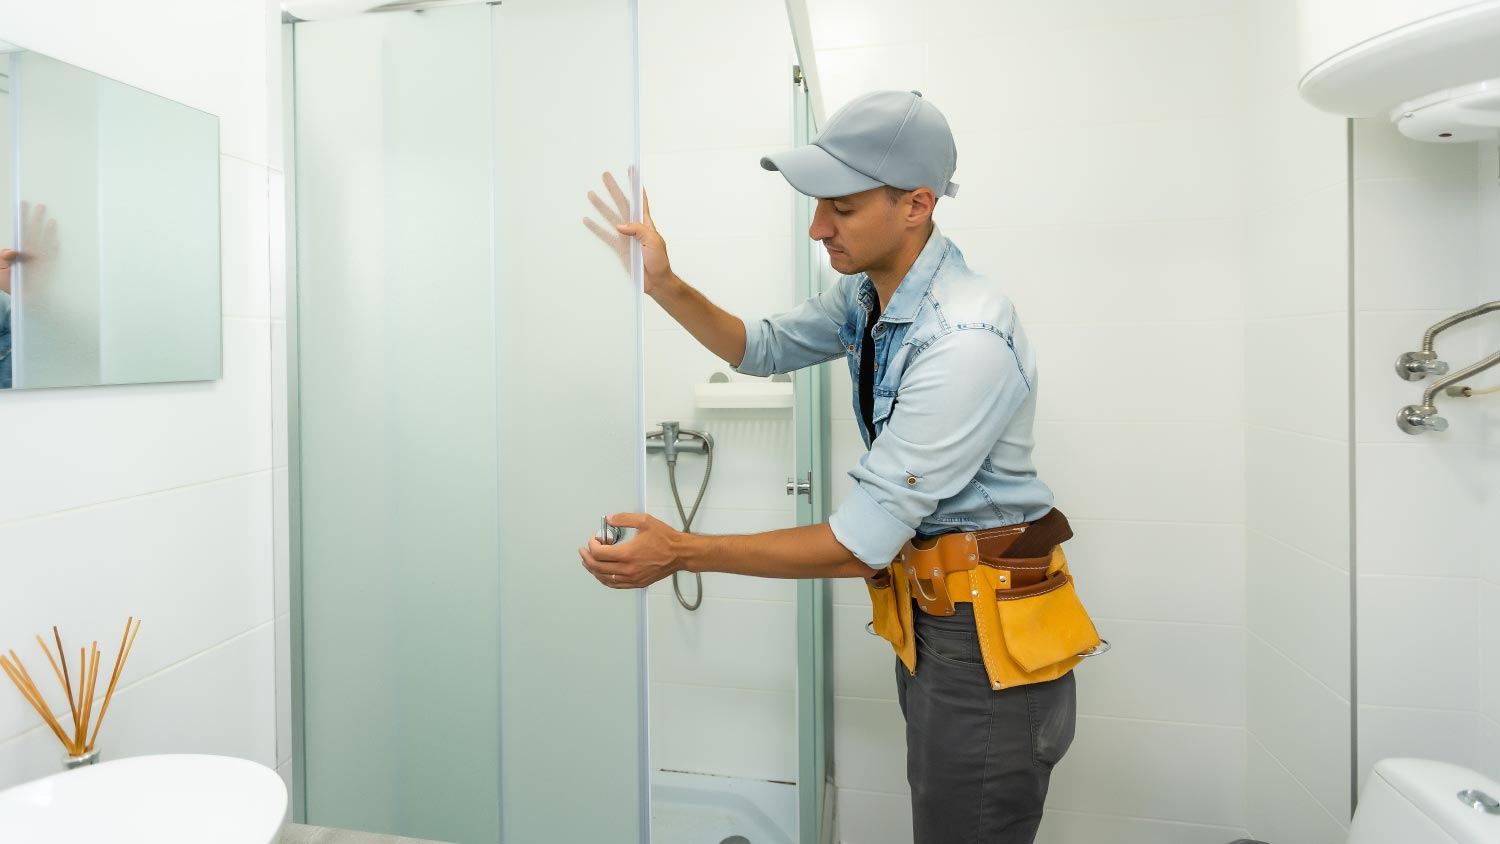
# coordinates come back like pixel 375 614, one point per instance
pixel 955 399
pixel 803 336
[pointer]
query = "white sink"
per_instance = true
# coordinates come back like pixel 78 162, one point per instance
pixel 173 799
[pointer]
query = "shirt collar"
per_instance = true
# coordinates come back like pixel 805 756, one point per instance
pixel 917 281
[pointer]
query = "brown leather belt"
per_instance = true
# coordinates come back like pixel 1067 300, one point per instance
pixel 1023 551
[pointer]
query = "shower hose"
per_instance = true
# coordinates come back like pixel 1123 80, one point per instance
pixel 687 522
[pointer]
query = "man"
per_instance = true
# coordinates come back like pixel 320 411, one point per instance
pixel 945 394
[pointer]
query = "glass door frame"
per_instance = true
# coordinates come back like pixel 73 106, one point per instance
pixel 814 596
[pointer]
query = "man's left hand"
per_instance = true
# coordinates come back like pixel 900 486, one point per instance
pixel 649 556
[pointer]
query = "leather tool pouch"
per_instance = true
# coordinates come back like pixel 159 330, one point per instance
pixel 1032 626
pixel 1045 624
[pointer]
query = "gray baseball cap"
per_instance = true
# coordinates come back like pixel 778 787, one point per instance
pixel 893 138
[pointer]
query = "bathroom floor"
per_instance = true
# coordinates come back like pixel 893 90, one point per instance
pixel 296 833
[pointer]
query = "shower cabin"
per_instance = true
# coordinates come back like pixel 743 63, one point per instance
pixel 468 383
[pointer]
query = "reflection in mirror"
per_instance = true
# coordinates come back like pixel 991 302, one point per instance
pixel 109 230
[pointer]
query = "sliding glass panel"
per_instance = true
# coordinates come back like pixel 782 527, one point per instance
pixel 572 439
pixel 469 407
pixel 396 339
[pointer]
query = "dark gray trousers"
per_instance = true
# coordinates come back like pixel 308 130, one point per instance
pixel 978 760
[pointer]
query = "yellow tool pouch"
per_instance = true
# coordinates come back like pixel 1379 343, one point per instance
pixel 1032 627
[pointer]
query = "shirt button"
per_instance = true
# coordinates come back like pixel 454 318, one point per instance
pixel 851 347
pixel 877 366
pixel 911 481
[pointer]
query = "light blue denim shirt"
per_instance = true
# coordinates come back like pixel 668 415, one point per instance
pixel 955 397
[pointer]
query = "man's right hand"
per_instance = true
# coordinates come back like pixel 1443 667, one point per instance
pixel 653 247
pixel 7 257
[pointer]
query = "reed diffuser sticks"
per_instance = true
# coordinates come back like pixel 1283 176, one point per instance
pixel 77 740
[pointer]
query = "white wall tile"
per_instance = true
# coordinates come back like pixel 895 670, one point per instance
pixel 1282 809
pixel 276 214
pixel 744 200
pixel 1298 492
pixel 1489 642
pixel 1410 634
pixel 283 646
pixel 1192 673
pixel 1094 372
pixel 958 16
pixel 733 643
pixel 1301 722
pixel 193 564
pixel 1171 271
pixel 864 665
pixel 1419 504
pixel 741 98
pixel 1415 244
pixel 284 770
pixel 1296 255
pixel 279 418
pixel 1120 569
pixel 280 543
pixel 851 71
pixel 1297 375
pixel 872 817
pixel 244 238
pixel 869 744
pixel 1144 81
pixel 1489 743
pixel 1028 175
pixel 1291 598
pixel 725 732
pixel 837 24
pixel 677 27
pixel 1080 827
pixel 94 444
pixel 1190 472
pixel 1179 772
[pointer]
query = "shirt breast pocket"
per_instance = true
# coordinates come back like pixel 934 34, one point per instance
pixel 885 404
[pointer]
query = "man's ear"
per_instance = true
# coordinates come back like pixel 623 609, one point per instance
pixel 923 201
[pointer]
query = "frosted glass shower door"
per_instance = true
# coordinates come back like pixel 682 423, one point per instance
pixel 466 408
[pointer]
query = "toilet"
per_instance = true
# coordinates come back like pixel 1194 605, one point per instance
pixel 1420 801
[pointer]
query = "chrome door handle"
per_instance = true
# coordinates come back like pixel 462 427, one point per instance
pixel 795 487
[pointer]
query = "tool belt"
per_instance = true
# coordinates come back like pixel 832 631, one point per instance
pixel 1032 627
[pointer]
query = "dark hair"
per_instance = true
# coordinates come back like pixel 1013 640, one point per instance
pixel 895 194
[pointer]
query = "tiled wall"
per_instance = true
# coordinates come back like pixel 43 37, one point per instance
pixel 1487 551
pixel 157 500
pixel 1100 189
pixel 1296 447
pixel 1425 217
pixel 723 679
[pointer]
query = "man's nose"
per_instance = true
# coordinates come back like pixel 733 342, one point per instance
pixel 822 226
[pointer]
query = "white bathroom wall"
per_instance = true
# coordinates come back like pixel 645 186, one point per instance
pixel 157 500
pixel 1424 216
pixel 1297 397
pixel 723 679
pixel 1487 551
pixel 1100 190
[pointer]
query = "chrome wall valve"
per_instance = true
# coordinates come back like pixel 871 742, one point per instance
pixel 1416 419
pixel 1414 366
